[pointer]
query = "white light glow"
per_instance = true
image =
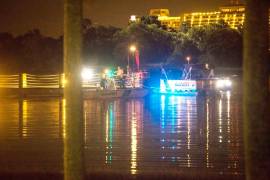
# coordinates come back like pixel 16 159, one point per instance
pixel 228 83
pixel 87 74
pixel 133 18
pixel 223 83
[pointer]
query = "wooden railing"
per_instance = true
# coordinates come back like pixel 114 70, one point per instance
pixel 9 81
pixel 28 81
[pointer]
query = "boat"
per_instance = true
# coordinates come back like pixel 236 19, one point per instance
pixel 188 85
pixel 115 93
pixel 108 85
pixel 178 87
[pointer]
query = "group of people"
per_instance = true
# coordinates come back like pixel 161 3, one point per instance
pixel 110 82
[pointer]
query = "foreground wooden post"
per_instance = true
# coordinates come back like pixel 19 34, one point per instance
pixel 73 126
pixel 256 93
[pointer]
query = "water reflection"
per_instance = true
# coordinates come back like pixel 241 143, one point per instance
pixel 109 132
pixel 177 121
pixel 133 145
pixel 24 104
pixel 29 135
pixel 207 133
pixel 191 141
pixel 62 118
pixel 157 134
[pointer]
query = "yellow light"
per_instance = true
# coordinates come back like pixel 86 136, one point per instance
pixel 64 117
pixel 226 18
pixel 217 19
pixel 132 48
pixel 133 147
pixel 234 19
pixel 192 19
pixel 24 80
pixel 25 118
pixel 220 137
pixel 63 80
pixel 200 21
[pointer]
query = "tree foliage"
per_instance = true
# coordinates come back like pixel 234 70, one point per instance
pixel 148 20
pixel 98 44
pixel 219 45
pixel 215 44
pixel 154 44
pixel 31 52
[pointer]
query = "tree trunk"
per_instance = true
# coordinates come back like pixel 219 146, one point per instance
pixel 73 118
pixel 256 90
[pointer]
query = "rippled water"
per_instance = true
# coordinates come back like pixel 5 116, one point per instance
pixel 158 134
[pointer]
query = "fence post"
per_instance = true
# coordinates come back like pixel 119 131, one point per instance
pixel 22 83
pixel 24 80
pixel 62 80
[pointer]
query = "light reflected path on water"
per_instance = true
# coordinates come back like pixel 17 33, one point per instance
pixel 166 134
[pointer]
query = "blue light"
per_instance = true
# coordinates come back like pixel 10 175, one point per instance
pixel 109 73
pixel 173 105
pixel 162 112
pixel 177 86
pixel 162 86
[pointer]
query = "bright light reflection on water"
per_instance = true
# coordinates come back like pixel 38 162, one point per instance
pixel 166 134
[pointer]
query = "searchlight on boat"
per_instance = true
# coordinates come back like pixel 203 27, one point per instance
pixel 87 74
pixel 223 84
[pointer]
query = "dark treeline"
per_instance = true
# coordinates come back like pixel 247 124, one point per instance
pixel 31 52
pixel 215 44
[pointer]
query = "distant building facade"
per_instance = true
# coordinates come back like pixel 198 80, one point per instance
pixel 234 16
pixel 134 18
pixel 171 22
pixel 159 12
pixel 163 16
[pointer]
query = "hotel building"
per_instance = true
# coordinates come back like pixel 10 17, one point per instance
pixel 234 16
pixel 171 22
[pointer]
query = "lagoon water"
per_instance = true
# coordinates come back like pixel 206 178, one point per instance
pixel 158 134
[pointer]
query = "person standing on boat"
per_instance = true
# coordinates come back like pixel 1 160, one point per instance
pixel 120 77
pixel 104 82
pixel 211 74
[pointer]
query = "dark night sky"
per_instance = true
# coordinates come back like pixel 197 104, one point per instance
pixel 18 16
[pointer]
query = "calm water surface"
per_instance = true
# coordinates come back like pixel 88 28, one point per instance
pixel 165 134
